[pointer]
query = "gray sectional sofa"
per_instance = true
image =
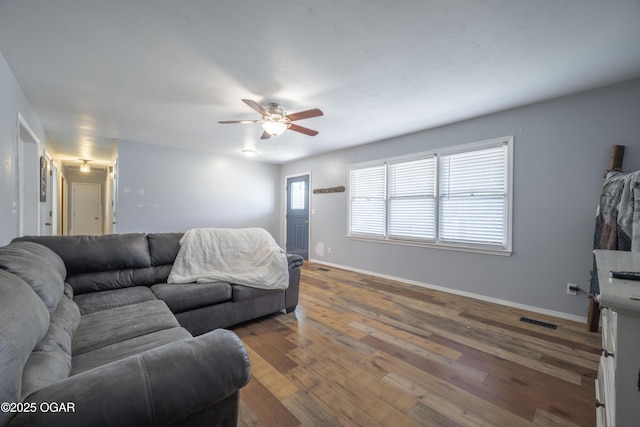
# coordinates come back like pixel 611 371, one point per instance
pixel 93 335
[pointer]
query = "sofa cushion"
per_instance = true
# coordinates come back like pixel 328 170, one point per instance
pixel 44 279
pixel 107 327
pixel 49 256
pixel 161 273
pixel 187 296
pixel 99 281
pixel 20 330
pixel 164 247
pixel 242 293
pixel 50 360
pixel 123 349
pixel 84 254
pixel 105 300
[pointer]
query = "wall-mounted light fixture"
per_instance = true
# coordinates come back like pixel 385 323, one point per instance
pixel 249 153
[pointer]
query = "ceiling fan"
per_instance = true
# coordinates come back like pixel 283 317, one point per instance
pixel 275 119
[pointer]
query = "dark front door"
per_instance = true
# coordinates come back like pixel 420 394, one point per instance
pixel 298 215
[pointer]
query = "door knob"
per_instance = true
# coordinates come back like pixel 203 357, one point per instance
pixel 306 221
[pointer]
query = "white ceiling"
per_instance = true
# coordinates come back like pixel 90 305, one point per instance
pixel 164 72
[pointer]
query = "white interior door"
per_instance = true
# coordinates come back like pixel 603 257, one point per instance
pixel 86 216
pixel 109 201
pixel 28 180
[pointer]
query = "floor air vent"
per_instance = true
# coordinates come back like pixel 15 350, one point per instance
pixel 539 323
pixel 322 269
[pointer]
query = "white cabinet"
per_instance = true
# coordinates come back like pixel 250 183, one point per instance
pixel 618 383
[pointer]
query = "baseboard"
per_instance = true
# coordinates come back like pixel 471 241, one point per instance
pixel 534 309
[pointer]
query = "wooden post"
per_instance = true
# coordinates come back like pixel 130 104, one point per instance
pixel 617 156
pixel 593 316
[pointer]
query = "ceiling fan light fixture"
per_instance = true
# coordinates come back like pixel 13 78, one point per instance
pixel 84 167
pixel 275 120
pixel 274 128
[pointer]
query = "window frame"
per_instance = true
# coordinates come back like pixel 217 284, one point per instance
pixel 436 242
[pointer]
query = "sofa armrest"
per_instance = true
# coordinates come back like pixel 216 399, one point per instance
pixel 294 261
pixel 291 294
pixel 157 387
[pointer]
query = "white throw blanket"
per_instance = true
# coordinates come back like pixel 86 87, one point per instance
pixel 248 256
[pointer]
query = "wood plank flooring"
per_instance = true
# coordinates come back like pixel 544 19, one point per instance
pixel 364 351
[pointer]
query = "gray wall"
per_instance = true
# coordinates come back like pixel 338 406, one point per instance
pixel 166 189
pixel 12 102
pixel 561 151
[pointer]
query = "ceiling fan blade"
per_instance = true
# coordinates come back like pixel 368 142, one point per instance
pixel 305 114
pixel 265 135
pixel 255 106
pixel 304 130
pixel 226 122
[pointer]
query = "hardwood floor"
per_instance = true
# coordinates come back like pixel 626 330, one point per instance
pixel 364 351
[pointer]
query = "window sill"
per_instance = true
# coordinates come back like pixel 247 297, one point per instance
pixel 433 245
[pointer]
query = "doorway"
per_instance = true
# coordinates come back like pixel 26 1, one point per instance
pixel 49 208
pixel 86 208
pixel 297 217
pixel 64 205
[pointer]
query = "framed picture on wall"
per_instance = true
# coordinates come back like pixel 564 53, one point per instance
pixel 43 179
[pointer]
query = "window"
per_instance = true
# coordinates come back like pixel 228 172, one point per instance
pixel 458 198
pixel 473 196
pixel 412 204
pixel 368 202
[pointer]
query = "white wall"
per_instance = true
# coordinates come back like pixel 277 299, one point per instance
pixel 166 189
pixel 562 149
pixel 12 102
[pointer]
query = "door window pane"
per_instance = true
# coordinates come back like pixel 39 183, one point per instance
pixel 298 192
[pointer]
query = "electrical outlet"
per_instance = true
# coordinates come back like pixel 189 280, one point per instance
pixel 570 291
pixel 329 250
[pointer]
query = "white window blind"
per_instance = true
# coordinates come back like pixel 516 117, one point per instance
pixel 473 196
pixel 368 201
pixel 412 205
